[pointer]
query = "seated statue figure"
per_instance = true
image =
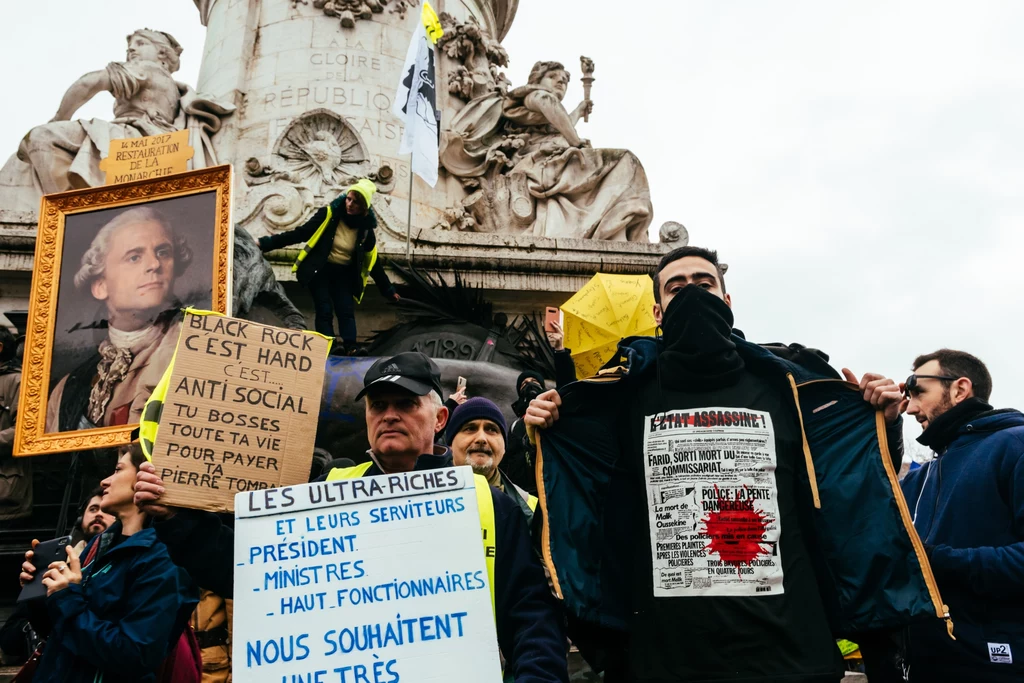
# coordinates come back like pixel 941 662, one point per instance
pixel 65 154
pixel 521 149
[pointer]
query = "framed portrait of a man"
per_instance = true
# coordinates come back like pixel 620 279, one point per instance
pixel 114 267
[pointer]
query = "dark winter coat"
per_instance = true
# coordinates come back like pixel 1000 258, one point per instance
pixel 119 624
pixel 871 566
pixel 316 259
pixel 969 510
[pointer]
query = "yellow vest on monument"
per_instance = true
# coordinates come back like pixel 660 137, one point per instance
pixel 369 260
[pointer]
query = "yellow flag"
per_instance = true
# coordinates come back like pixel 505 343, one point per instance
pixel 432 23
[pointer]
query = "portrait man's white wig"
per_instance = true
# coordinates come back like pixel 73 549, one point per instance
pixel 94 260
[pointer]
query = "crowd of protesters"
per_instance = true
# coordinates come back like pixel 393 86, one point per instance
pixel 145 591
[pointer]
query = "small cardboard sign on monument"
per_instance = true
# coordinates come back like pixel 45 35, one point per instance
pixel 153 156
pixel 241 410
pixel 367 580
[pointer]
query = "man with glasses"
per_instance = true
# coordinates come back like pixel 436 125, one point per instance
pixel 968 508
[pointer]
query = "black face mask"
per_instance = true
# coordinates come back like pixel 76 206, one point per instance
pixel 698 353
pixel 529 392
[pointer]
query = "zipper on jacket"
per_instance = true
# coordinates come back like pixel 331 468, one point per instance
pixel 808 461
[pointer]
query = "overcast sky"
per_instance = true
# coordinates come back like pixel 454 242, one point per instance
pixel 859 165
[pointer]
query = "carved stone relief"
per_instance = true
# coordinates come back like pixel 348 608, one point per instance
pixel 316 158
pixel 475 59
pixel 527 171
pixel 673 233
pixel 351 11
pixel 65 153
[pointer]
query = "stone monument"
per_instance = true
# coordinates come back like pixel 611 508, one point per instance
pixel 298 98
pixel 65 155
pixel 524 207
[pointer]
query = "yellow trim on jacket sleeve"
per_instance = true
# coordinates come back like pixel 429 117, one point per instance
pixel 941 610
pixel 808 461
pixel 545 530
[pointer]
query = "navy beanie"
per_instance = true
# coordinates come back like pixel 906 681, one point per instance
pixel 477 408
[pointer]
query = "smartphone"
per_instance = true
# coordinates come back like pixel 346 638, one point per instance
pixel 461 385
pixel 552 315
pixel 45 553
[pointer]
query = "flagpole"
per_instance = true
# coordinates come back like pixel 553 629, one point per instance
pixel 408 225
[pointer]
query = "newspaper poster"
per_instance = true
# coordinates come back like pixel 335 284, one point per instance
pixel 713 503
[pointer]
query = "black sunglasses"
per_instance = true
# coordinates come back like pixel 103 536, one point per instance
pixel 911 384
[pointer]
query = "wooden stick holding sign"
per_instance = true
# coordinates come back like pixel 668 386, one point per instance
pixel 240 412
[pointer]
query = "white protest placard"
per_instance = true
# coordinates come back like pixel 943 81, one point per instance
pixel 369 580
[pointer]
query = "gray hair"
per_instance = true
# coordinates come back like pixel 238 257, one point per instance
pixel 94 260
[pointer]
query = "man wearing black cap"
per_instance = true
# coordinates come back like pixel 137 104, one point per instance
pixel 403 412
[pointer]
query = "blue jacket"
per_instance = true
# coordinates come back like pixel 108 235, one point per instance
pixel 119 623
pixel 969 507
pixel 530 627
pixel 871 566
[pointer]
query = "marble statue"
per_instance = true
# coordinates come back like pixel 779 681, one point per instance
pixel 529 172
pixel 65 154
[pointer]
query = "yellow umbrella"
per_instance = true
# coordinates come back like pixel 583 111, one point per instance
pixel 607 309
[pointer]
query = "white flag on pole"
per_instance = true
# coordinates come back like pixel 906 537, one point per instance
pixel 416 99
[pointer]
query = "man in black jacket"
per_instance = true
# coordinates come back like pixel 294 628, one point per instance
pixel 339 255
pixel 713 487
pixel 403 412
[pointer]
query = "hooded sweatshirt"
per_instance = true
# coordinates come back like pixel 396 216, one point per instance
pixel 968 508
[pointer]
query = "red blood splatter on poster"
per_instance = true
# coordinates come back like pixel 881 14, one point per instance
pixel 735 531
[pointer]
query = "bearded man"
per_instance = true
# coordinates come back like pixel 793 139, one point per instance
pixel 968 506
pixel 477 435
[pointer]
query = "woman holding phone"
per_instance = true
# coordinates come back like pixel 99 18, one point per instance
pixel 117 618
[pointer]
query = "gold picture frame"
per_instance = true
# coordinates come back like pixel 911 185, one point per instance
pixel 31 437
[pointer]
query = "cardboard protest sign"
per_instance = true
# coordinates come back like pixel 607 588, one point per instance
pixel 240 412
pixel 153 156
pixel 372 579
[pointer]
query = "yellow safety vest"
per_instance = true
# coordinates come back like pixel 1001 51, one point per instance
pixel 368 261
pixel 485 506
pixel 150 423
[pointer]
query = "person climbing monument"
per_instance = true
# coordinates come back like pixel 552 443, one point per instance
pixel 339 256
